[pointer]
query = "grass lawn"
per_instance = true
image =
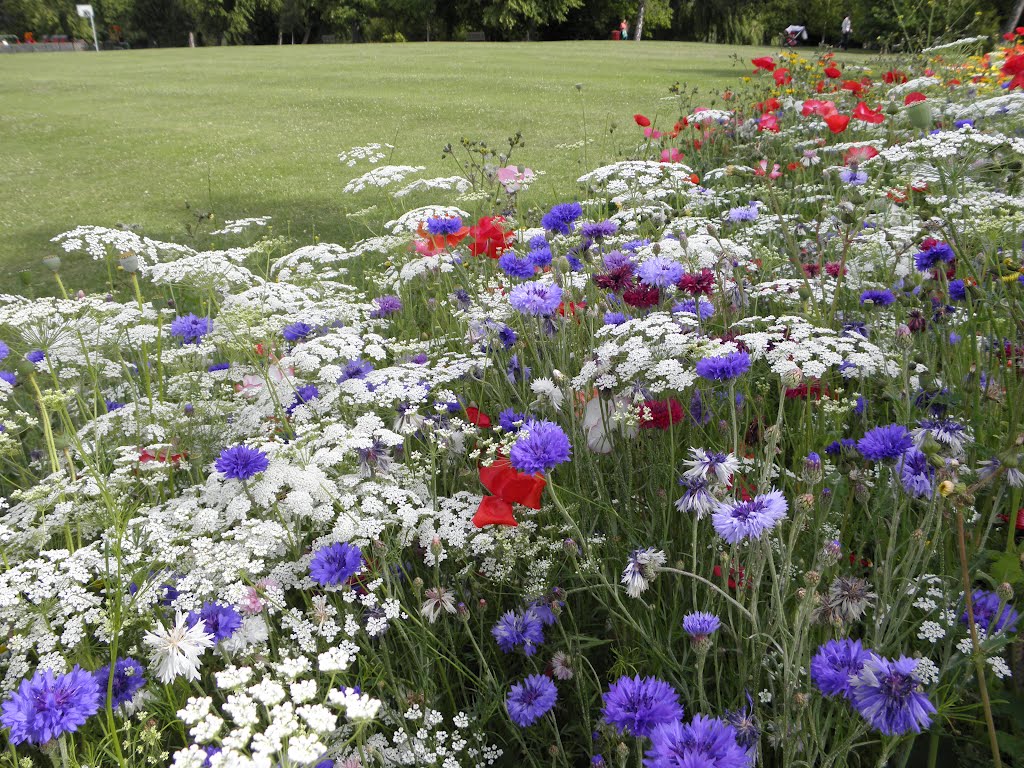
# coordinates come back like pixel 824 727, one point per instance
pixel 131 136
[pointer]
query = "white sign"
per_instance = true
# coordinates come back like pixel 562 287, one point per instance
pixel 85 11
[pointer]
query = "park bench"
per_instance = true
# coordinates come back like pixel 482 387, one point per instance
pixel 476 37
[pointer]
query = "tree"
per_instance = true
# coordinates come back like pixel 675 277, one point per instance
pixel 221 21
pixel 509 15
pixel 1014 17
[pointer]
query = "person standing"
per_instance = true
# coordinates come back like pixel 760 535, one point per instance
pixel 847 30
pixel 624 30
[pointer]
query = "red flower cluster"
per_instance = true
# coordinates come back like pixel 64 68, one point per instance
pixel 663 413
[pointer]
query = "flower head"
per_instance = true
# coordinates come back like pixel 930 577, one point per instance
pixel 542 445
pixel 221 621
pixel 835 663
pixel 704 742
pixel 711 466
pixel 240 462
pixel 641 569
pixel 524 629
pixel 636 705
pixel 878 297
pixel 660 272
pixel 916 473
pixel 932 253
pixel 175 651
pixel 561 218
pixel 888 442
pixel 513 266
pixel 887 694
pixel 46 706
pixel 724 367
pixel 749 519
pixel 700 624
pixel 535 298
pixel 297 331
pixel 987 613
pixel 336 564
pixel 190 328
pixel 386 305
pixel 443 225
pixel 530 700
pixel 128 679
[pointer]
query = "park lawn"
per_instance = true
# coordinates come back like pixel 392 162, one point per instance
pixel 130 136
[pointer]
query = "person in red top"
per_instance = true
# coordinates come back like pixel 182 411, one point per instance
pixel 624 30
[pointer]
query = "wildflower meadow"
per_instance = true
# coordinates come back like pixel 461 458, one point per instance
pixel 715 463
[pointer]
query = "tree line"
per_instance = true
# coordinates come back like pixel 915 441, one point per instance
pixel 149 23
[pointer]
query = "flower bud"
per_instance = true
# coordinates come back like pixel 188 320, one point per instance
pixel 946 487
pixel 812 578
pixel 1005 592
pixel 52 263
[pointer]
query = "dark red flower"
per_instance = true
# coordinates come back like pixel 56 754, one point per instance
pixel 642 296
pixel 663 413
pixel 832 71
pixel 642 121
pixel 697 283
pixel 478 417
pixel 766 63
pixel 617 281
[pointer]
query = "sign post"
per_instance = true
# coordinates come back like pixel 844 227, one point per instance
pixel 85 12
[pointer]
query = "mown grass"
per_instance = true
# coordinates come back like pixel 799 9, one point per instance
pixel 131 136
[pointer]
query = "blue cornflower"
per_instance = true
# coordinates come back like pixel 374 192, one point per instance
pixel 303 395
pixel 698 412
pixel 882 297
pixel 744 212
pixel 507 337
pixel 698 497
pixel 958 124
pixel 541 256
pixel 614 318
pixel 916 473
pixel 724 367
pixel 635 245
pixel 530 700
pixel 543 447
pixel 987 614
pixel 35 356
pixel 519 629
pixel 4 351
pixel 221 621
pixel 47 706
pixel 449 225
pixel 700 624
pixel 957 290
pixel 561 218
pixel 508 418
pixel 704 742
pixel 600 230
pixel 929 257
pixel 516 371
pixel 128 679
pixel 296 331
pixel 887 694
pixel 616 260
pixel 748 732
pixel 853 176
pixel 660 272
pixel 240 462
pixel 535 298
pixel 335 564
pixel 888 442
pixel 218 367
pixel 855 328
pixel 462 298
pixel 355 369
pixel 839 447
pixel 386 305
pixel 699 306
pixel 835 663
pixel 637 706
pixel 190 328
pixel 741 520
pixel 113 405
pixel 513 266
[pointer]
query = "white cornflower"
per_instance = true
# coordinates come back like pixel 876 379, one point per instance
pixel 546 389
pixel 641 570
pixel 704 465
pixel 438 599
pixel 175 652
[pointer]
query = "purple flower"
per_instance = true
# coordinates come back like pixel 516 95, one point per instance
pixel 879 297
pixel 660 272
pixel 704 742
pixel 190 328
pixel 508 418
pixel 46 706
pixel 957 290
pixel 839 447
pixel 296 331
pixel 749 519
pixel 217 367
pixel 386 305
pixel 698 412
pixel 853 176
pixel 37 355
pixel 128 680
pixel 743 213
pixel 540 254
pixel 9 377
pixel 221 621
pixel 929 257
pixel 335 564
pixel 561 218
pixel 530 700
pixel 513 266
pixel 542 445
pixel 987 613
pixel 600 230
pixel 303 395
pixel 355 369
pixel 700 624
pixel 699 306
pixel 748 732
pixel 507 337
pixel 916 473
pixel 835 663
pixel 889 442
pixel 724 367
pixel 516 371
pixel 515 629
pixel 437 225
pixel 616 260
pixel 887 694
pixel 534 298
pixel 614 318
pixel 637 706
pixel 4 351
pixel 113 405
pixel 240 462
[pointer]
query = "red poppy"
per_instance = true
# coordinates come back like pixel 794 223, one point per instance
pixel 509 487
pixel 671 155
pixel 782 77
pixel 478 417
pixel 792 166
pixel 836 122
pixel 766 63
pixel 863 112
pixel 770 105
pixel 953 82
pixel 816 107
pixel 894 76
pixel 859 154
pixel 833 72
pixel 434 244
pixel 663 413
pixel 642 121
pixel 489 238
pixel 161 456
pixel 853 86
pixel 768 122
pixel 913 97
